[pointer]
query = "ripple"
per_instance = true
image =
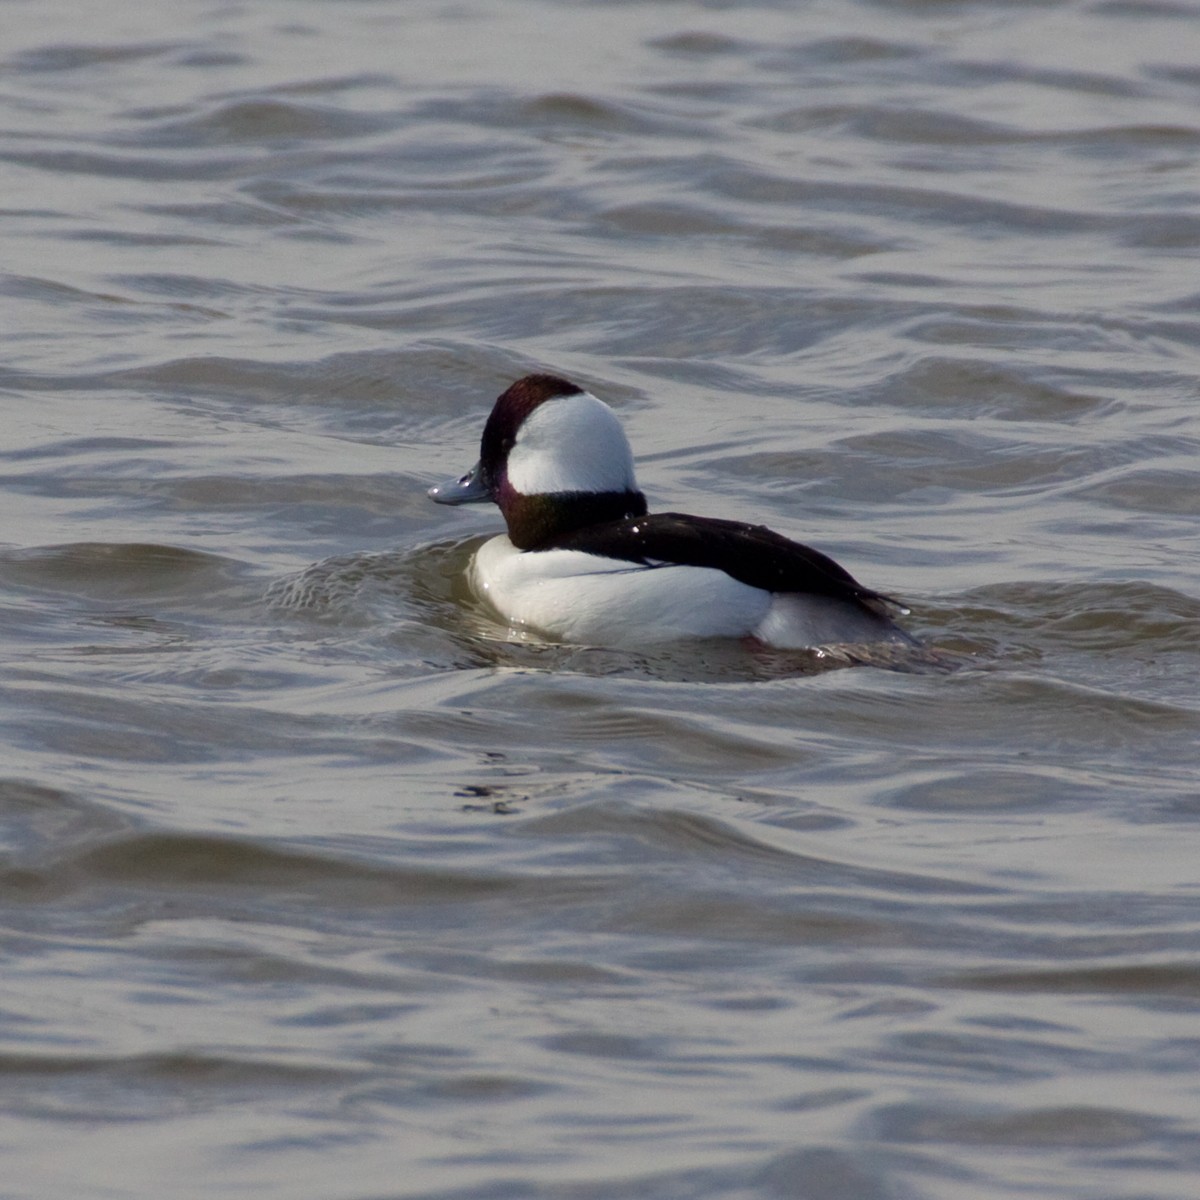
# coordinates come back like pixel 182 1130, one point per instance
pixel 256 119
pixel 700 44
pixel 112 570
pixel 1142 980
pixel 74 57
pixel 1063 1127
pixel 150 1086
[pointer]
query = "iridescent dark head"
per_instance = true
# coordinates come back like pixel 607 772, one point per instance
pixel 553 457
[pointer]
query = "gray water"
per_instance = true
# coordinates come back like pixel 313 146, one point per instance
pixel 317 885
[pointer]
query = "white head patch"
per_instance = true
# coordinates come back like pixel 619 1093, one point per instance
pixel 571 444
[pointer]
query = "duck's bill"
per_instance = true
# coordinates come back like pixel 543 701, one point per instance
pixel 469 489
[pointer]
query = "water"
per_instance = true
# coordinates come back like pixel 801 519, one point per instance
pixel 315 885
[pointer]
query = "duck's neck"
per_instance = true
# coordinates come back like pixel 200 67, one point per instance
pixel 534 520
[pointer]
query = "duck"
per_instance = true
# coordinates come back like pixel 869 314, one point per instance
pixel 584 561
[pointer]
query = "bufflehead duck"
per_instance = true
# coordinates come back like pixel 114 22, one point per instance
pixel 585 562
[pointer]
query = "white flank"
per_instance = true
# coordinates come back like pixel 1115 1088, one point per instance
pixel 579 597
pixel 571 444
pixel 801 621
pixel 584 598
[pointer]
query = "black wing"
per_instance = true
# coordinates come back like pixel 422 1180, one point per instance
pixel 751 554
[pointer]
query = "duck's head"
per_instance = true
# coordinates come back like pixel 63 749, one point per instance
pixel 553 458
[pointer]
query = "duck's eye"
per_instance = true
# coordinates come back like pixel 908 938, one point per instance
pixel 508 443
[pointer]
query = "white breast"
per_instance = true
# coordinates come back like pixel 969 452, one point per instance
pixel 579 597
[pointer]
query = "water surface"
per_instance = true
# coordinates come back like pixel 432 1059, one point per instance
pixel 316 884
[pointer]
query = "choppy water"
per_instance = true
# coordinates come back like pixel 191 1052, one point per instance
pixel 348 897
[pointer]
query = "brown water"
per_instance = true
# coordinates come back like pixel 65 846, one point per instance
pixel 314 886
